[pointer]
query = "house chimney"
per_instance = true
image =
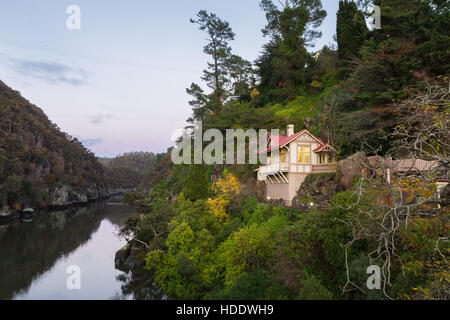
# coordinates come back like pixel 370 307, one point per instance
pixel 290 130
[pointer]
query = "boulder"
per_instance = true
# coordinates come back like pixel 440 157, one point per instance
pixel 318 189
pixel 128 258
pixel 354 167
pixel 121 256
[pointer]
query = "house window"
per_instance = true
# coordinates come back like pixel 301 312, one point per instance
pixel 283 156
pixel 304 155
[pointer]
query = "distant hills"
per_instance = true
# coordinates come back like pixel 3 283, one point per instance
pixel 126 172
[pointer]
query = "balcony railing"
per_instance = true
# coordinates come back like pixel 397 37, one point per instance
pixel 274 169
pixel 324 168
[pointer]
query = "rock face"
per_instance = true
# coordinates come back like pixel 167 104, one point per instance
pixel 127 258
pixel 318 189
pixel 68 195
pixel 354 167
pixel 41 166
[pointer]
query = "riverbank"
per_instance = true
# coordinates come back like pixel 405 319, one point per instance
pixel 7 216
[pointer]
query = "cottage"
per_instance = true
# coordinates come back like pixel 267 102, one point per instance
pixel 291 159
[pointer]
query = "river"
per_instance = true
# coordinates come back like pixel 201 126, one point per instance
pixel 36 257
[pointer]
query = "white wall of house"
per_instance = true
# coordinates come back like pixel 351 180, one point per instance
pixel 298 171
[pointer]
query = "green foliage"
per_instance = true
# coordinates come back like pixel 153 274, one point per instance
pixel 312 289
pixel 256 285
pixel 351 32
pixel 183 270
pixel 127 171
pixel 129 198
pixel 229 76
pixel 33 149
pixel 291 28
pixel 265 252
pixel 197 183
pixel 246 250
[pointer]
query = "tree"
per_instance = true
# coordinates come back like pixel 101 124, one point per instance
pixel 226 190
pixel 412 43
pixel 200 103
pixel 241 77
pixel 291 28
pixel 404 222
pixel 351 32
pixel 219 34
pixel 197 183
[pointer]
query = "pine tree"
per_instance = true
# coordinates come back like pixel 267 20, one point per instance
pixel 291 28
pixel 351 32
pixel 219 34
pixel 200 103
pixel 241 77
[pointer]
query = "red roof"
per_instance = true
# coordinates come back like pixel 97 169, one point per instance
pixel 277 142
pixel 319 148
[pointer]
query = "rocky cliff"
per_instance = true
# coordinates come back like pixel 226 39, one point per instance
pixel 40 166
pixel 320 188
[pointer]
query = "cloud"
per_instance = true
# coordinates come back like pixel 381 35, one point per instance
pixel 51 72
pixel 97 119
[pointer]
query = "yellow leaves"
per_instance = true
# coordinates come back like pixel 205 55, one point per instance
pixel 219 207
pixel 226 190
pixel 415 186
pixel 229 186
pixel 316 84
pixel 254 93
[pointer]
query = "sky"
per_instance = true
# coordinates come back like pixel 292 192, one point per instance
pixel 119 82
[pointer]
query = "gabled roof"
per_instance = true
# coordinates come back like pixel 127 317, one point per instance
pixel 277 142
pixel 324 147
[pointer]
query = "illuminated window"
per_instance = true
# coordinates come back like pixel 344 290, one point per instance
pixel 283 156
pixel 304 154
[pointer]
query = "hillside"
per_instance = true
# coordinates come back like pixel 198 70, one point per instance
pixel 381 96
pixel 40 165
pixel 126 171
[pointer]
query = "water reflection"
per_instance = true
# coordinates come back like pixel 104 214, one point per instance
pixel 34 256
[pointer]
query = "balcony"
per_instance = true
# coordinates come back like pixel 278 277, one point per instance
pixel 272 169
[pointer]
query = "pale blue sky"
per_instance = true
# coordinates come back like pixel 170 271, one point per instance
pixel 119 82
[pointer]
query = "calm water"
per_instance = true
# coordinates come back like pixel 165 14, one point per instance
pixel 34 256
